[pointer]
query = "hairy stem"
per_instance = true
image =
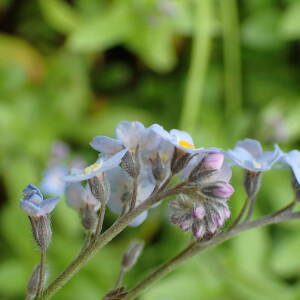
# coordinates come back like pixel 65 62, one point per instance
pixel 134 193
pixel 241 214
pixel 120 278
pixel 105 238
pixel 200 56
pixel 196 247
pixel 100 220
pixel 42 272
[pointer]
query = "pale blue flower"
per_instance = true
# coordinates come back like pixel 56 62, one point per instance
pixel 121 191
pixel 78 197
pixel 128 135
pixel 34 204
pixel 52 182
pixel 248 154
pixel 292 159
pixel 179 139
pixel 100 166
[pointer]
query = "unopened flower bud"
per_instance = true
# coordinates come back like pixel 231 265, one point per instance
pixel 219 190
pixel 252 183
pixel 198 213
pixel 213 161
pixel 100 188
pixel 130 163
pixel 32 285
pixel 158 169
pixel 89 218
pixel 41 229
pixel 179 160
pixel 223 190
pixel 132 254
pixel 198 230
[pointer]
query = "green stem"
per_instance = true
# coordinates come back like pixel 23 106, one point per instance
pixel 42 273
pixel 104 239
pixel 196 247
pixel 200 56
pixel 120 278
pixel 241 214
pixel 232 56
pixel 100 220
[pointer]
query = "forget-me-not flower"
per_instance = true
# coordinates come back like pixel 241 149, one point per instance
pixel 180 139
pixel 34 204
pixel 292 159
pixel 249 155
pixel 121 191
pixel 128 135
pixel 103 164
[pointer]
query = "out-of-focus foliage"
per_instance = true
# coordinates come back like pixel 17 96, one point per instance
pixel 70 70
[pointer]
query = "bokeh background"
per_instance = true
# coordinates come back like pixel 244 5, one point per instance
pixel 221 69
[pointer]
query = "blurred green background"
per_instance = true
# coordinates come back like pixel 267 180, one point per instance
pixel 222 69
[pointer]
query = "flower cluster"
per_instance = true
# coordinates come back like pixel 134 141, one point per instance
pixel 141 160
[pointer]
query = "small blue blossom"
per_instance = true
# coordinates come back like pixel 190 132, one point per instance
pixel 52 182
pixel 248 154
pixel 180 139
pixel 121 191
pixel 292 159
pixel 128 135
pixel 77 197
pixel 100 166
pixel 34 204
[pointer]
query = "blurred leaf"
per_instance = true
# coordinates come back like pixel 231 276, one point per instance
pixel 60 15
pixel 260 30
pixel 107 29
pixel 19 52
pixel 285 256
pixel 290 21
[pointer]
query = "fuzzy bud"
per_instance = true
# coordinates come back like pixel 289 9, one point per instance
pixel 100 188
pixel 213 161
pixel 89 218
pixel 158 170
pixel 132 254
pixel 219 190
pixel 198 213
pixel 130 163
pixel 41 229
pixel 32 285
pixel 252 183
pixel 179 160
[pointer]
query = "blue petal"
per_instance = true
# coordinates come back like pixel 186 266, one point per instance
pixel 74 194
pixel 30 208
pixel 48 205
pixel 252 146
pixel 31 189
pixel 130 133
pixel 106 145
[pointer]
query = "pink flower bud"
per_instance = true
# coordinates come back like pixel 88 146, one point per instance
pixel 199 213
pixel 185 225
pixel 224 190
pixel 213 161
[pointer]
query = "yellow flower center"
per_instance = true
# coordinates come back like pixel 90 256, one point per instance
pixel 257 165
pixel 91 168
pixel 186 144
